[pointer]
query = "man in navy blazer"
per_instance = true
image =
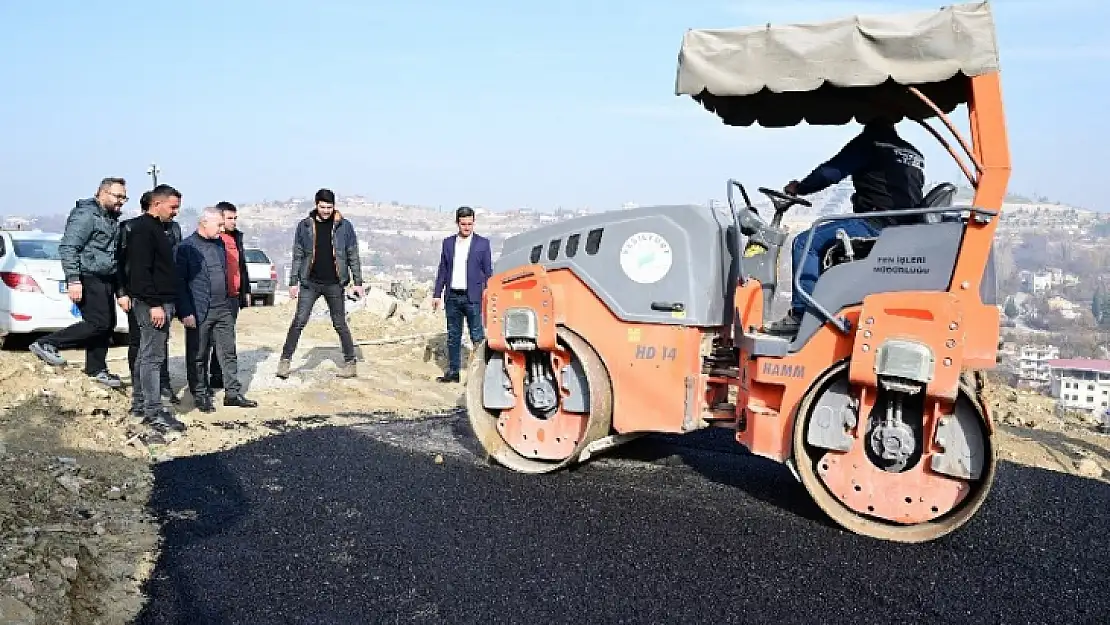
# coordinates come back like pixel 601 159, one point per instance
pixel 465 264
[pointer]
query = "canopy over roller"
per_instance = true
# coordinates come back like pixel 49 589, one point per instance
pixel 829 73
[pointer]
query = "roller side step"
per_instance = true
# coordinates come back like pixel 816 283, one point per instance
pixel 761 344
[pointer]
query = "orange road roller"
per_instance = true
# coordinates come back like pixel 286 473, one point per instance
pixel 609 326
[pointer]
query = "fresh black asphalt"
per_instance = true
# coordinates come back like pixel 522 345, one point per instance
pixel 345 526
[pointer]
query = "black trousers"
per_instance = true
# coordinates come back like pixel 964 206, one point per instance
pixel 306 299
pixel 215 373
pixel 98 322
pixel 214 335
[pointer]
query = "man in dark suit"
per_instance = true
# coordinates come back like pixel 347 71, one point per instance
pixel 207 309
pixel 465 264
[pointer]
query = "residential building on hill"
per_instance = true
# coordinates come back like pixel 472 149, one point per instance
pixel 1033 367
pixel 1081 383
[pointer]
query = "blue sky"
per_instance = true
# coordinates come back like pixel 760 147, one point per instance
pixel 502 104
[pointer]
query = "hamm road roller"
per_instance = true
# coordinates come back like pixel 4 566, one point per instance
pixel 610 326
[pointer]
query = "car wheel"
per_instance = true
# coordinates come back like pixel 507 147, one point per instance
pixel 15 342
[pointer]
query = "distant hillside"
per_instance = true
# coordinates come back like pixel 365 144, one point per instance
pixel 965 194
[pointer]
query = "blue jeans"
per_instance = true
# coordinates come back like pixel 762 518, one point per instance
pixel 458 308
pixel 809 267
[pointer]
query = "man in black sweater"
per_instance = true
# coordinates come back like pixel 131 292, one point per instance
pixel 153 288
pixel 173 231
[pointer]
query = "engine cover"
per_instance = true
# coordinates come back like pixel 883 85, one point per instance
pixel 653 264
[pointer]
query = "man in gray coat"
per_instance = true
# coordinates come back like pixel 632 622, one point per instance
pixel 208 313
pixel 88 252
pixel 325 262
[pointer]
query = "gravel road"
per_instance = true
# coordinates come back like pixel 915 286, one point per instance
pixel 363 525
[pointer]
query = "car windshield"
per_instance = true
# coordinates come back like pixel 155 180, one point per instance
pixel 256 256
pixel 36 249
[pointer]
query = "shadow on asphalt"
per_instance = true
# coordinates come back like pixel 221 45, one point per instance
pixel 715 455
pixel 337 525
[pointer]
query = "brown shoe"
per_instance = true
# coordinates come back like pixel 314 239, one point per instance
pixel 349 370
pixel 283 368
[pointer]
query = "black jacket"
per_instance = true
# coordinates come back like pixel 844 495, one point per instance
pixel 173 231
pixel 152 275
pixel 887 172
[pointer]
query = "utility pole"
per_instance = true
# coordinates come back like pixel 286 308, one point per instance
pixel 153 172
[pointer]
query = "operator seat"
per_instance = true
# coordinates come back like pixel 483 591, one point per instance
pixel 939 196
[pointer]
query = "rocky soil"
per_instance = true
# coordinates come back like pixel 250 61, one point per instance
pixel 1034 433
pixel 76 542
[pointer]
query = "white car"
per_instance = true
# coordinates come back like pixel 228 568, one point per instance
pixel 262 274
pixel 33 296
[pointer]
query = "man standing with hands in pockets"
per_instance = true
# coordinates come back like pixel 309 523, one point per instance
pixel 238 280
pixel 207 310
pixel 153 289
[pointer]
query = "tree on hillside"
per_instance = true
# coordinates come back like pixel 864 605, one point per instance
pixel 1011 309
pixel 1066 253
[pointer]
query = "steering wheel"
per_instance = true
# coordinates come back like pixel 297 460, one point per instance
pixel 788 200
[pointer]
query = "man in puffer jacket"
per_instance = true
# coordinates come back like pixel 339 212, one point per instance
pixel 88 251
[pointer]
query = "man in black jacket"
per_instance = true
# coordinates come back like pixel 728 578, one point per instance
pixel 888 173
pixel 233 244
pixel 153 288
pixel 173 231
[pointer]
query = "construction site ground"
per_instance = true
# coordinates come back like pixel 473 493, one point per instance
pixel 79 536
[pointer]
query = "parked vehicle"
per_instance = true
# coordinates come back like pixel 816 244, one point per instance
pixel 33 296
pixel 262 274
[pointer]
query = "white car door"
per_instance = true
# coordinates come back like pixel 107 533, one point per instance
pixel 39 258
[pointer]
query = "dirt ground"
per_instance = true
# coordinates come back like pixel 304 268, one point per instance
pixel 1032 432
pixel 75 540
